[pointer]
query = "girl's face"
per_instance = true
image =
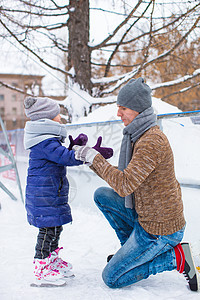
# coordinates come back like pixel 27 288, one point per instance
pixel 57 119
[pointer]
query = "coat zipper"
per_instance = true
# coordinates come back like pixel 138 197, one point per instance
pixel 60 186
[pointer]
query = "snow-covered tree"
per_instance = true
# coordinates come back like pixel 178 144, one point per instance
pixel 82 40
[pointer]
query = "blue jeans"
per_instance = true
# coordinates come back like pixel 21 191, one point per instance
pixel 141 254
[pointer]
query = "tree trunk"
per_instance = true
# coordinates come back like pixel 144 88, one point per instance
pixel 79 55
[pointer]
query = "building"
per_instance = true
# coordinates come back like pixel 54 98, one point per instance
pixel 11 100
pixel 13 90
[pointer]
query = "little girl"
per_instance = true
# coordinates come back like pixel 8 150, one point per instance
pixel 47 186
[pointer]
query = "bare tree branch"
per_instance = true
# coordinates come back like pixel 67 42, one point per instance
pixel 181 91
pixel 125 77
pixel 185 78
pixel 121 40
pixel 42 7
pixel 49 27
pixel 39 14
pixel 35 54
pixel 103 43
pixel 115 65
pixel 150 40
pixel 8 86
pixel 165 26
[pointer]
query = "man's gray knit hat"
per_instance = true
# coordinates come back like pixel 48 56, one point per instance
pixel 41 108
pixel 136 95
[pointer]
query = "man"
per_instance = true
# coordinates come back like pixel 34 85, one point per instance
pixel 144 204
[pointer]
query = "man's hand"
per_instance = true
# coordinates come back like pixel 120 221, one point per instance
pixel 104 151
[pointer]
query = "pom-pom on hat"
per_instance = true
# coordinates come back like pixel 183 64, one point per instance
pixel 41 108
pixel 136 95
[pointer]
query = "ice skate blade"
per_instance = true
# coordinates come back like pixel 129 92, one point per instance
pixel 49 284
pixel 69 274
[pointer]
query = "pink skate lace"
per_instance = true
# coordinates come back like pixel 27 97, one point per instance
pixel 59 262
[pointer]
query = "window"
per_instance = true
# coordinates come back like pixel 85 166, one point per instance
pixel 2 111
pixel 1 97
pixel 14 98
pixel 14 111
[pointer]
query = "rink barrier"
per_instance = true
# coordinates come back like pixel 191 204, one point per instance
pixel 16 138
pixel 10 164
pixel 160 118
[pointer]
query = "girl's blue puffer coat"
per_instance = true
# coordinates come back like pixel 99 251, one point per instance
pixel 47 186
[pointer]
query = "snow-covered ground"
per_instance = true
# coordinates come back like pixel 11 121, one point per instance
pixel 89 239
pixel 86 242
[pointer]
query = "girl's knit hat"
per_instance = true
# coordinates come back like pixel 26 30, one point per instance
pixel 41 108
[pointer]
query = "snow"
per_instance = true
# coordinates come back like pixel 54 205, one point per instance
pixel 109 111
pixel 86 242
pixel 78 101
pixel 177 81
pixel 89 239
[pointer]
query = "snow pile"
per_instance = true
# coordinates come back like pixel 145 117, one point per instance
pixel 78 102
pixel 109 111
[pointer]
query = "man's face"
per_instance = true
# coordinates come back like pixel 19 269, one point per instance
pixel 127 115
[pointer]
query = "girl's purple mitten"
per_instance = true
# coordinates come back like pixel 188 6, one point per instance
pixel 104 151
pixel 81 140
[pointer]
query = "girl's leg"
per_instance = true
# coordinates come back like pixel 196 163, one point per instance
pixel 113 207
pixel 47 241
pixel 54 244
pixel 142 255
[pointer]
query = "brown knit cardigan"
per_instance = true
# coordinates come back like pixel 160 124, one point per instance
pixel 151 176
